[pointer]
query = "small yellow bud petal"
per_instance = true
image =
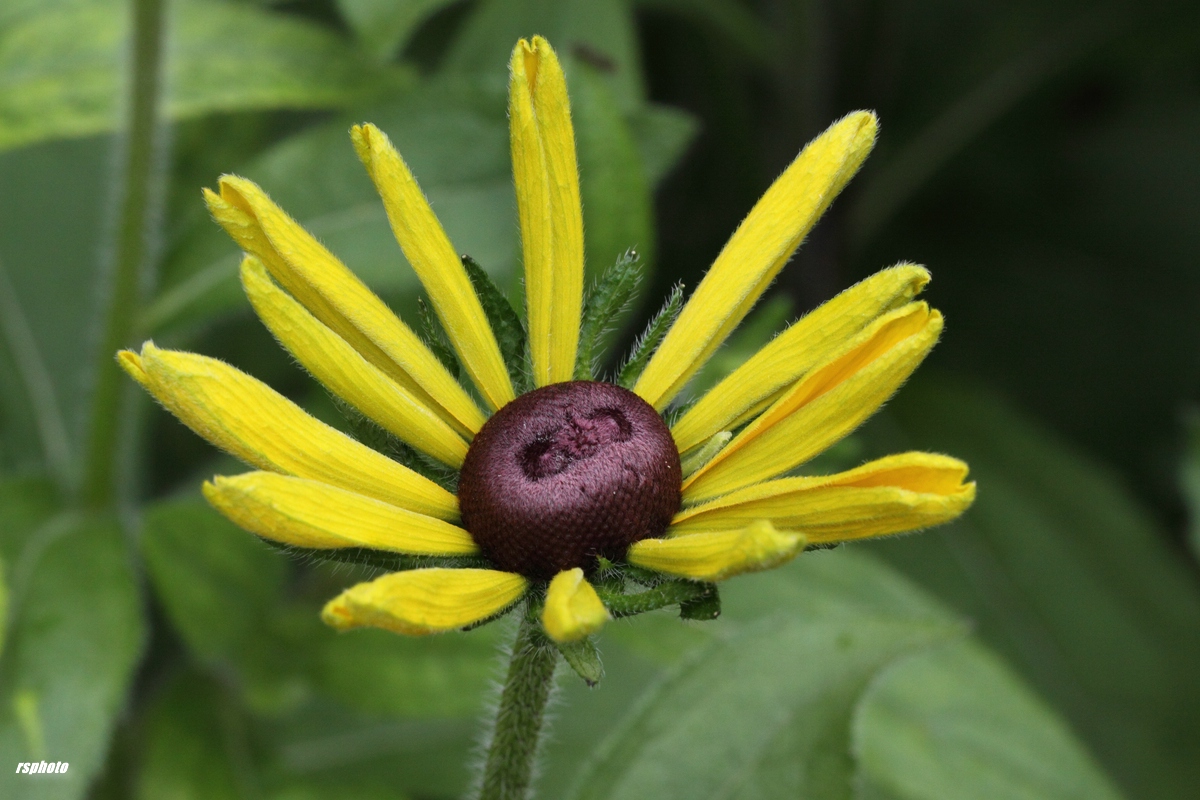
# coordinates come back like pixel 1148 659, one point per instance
pixel 573 609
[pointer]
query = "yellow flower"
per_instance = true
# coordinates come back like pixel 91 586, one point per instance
pixel 573 482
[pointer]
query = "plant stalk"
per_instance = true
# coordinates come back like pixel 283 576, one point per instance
pixel 519 719
pixel 130 249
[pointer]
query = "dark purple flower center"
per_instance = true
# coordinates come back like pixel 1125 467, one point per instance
pixel 567 473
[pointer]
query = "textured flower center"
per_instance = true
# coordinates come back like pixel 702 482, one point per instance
pixel 567 473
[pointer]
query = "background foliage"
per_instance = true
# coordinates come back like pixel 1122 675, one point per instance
pixel 1039 157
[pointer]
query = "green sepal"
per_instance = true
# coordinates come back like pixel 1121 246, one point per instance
pixel 705 453
pixel 434 336
pixel 506 325
pixel 667 593
pixel 650 339
pixel 605 303
pixel 378 559
pixel 704 607
pixel 584 658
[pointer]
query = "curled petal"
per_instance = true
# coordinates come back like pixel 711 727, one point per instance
pixel 307 513
pixel 756 252
pixel 335 295
pixel 347 374
pixel 717 555
pixel 424 601
pixel 891 495
pixel 436 263
pixel 785 359
pixel 824 406
pixel 573 609
pixel 250 420
pixel 547 184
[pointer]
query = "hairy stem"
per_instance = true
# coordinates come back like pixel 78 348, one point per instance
pixel 518 727
pixel 130 248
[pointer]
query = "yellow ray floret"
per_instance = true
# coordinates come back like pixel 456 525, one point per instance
pixel 307 513
pixel 547 184
pixel 761 380
pixel 573 609
pixel 347 374
pixel 894 494
pixel 824 406
pixel 248 419
pixel 335 296
pixel 717 555
pixel 425 601
pixel 432 256
pixel 755 253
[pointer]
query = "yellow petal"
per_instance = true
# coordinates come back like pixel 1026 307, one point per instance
pixel 828 403
pixel 891 495
pixel 425 601
pixel 338 298
pixel 308 513
pixel 573 609
pixel 432 256
pixel 761 380
pixel 248 419
pixel 756 252
pixel 717 555
pixel 347 374
pixel 547 184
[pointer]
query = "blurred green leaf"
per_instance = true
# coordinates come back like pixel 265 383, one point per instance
pixel 612 179
pixel 762 713
pixel 454 137
pixel 599 31
pixel 61 65
pixel 384 26
pixel 75 636
pixel 188 745
pixel 954 722
pixel 1068 578
pixel 216 582
pixel 52 214
pixel 224 592
pixel 662 134
pixel 1189 480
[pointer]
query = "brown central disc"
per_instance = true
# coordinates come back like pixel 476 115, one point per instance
pixel 567 473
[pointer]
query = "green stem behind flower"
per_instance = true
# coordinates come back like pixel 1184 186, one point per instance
pixel 518 727
pixel 130 250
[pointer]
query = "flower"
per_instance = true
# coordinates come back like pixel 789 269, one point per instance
pixel 563 485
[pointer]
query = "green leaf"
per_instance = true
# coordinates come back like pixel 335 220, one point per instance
pixel 762 713
pixel 1069 578
pixel 602 31
pixel 216 582
pixel 52 214
pixel 223 591
pixel 663 134
pixel 61 64
pixel 617 207
pixel 191 744
pixel 384 26
pixel 76 632
pixel 434 336
pixel 510 333
pixel 1189 480
pixel 954 722
pixel 605 302
pixel 454 137
pixel 650 339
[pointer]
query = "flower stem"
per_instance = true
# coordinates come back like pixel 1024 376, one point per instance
pixel 130 249
pixel 509 768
